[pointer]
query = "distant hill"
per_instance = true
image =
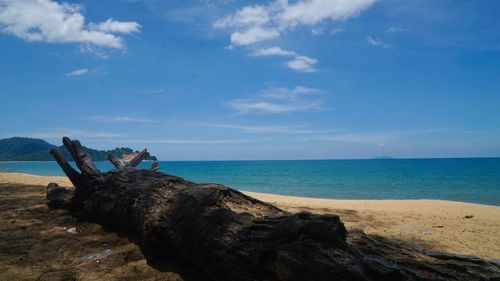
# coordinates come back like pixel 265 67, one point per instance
pixel 29 149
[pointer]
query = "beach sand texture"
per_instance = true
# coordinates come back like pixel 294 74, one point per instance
pixel 36 242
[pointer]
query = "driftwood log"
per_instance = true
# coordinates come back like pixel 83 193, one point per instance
pixel 228 235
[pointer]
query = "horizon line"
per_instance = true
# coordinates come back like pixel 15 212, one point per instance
pixel 306 159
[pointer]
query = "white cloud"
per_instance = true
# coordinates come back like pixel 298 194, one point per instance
pixel 244 107
pixel 298 63
pixel 117 27
pixel 273 51
pixel 78 72
pixel 120 119
pixel 302 64
pixel 262 22
pixel 53 22
pixel 314 11
pixel 376 42
pixel 253 35
pixel 257 23
pixel 247 16
pixel 278 100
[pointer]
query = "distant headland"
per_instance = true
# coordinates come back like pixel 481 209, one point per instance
pixel 31 149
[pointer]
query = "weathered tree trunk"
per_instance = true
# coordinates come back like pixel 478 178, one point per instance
pixel 231 236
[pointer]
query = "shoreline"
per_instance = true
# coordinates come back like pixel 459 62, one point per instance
pixel 327 200
pixel 438 225
pixel 62 180
pixel 467 180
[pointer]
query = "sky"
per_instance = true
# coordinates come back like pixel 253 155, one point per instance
pixel 223 80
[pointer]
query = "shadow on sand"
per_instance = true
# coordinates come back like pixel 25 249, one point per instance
pixel 38 243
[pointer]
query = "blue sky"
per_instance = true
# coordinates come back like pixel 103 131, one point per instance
pixel 215 79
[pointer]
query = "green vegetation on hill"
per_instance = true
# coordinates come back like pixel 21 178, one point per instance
pixel 29 149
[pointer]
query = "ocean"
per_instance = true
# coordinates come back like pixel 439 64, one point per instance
pixel 474 180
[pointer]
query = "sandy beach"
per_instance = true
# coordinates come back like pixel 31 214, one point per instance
pixel 435 225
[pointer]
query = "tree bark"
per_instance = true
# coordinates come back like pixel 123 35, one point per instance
pixel 231 236
pixel 115 161
pixel 137 158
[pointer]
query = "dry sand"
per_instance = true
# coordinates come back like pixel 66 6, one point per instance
pixel 439 225
pixel 46 249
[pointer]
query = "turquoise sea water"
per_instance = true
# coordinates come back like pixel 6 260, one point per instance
pixel 475 180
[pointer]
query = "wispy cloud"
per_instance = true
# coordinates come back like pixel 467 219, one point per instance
pixel 78 72
pixel 280 129
pixel 279 100
pixel 394 29
pixel 273 51
pixel 53 22
pixel 298 62
pixel 188 141
pixel 336 30
pixel 376 42
pixel 317 31
pixel 287 93
pixel 360 137
pixel 375 137
pixel 120 119
pixel 246 107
